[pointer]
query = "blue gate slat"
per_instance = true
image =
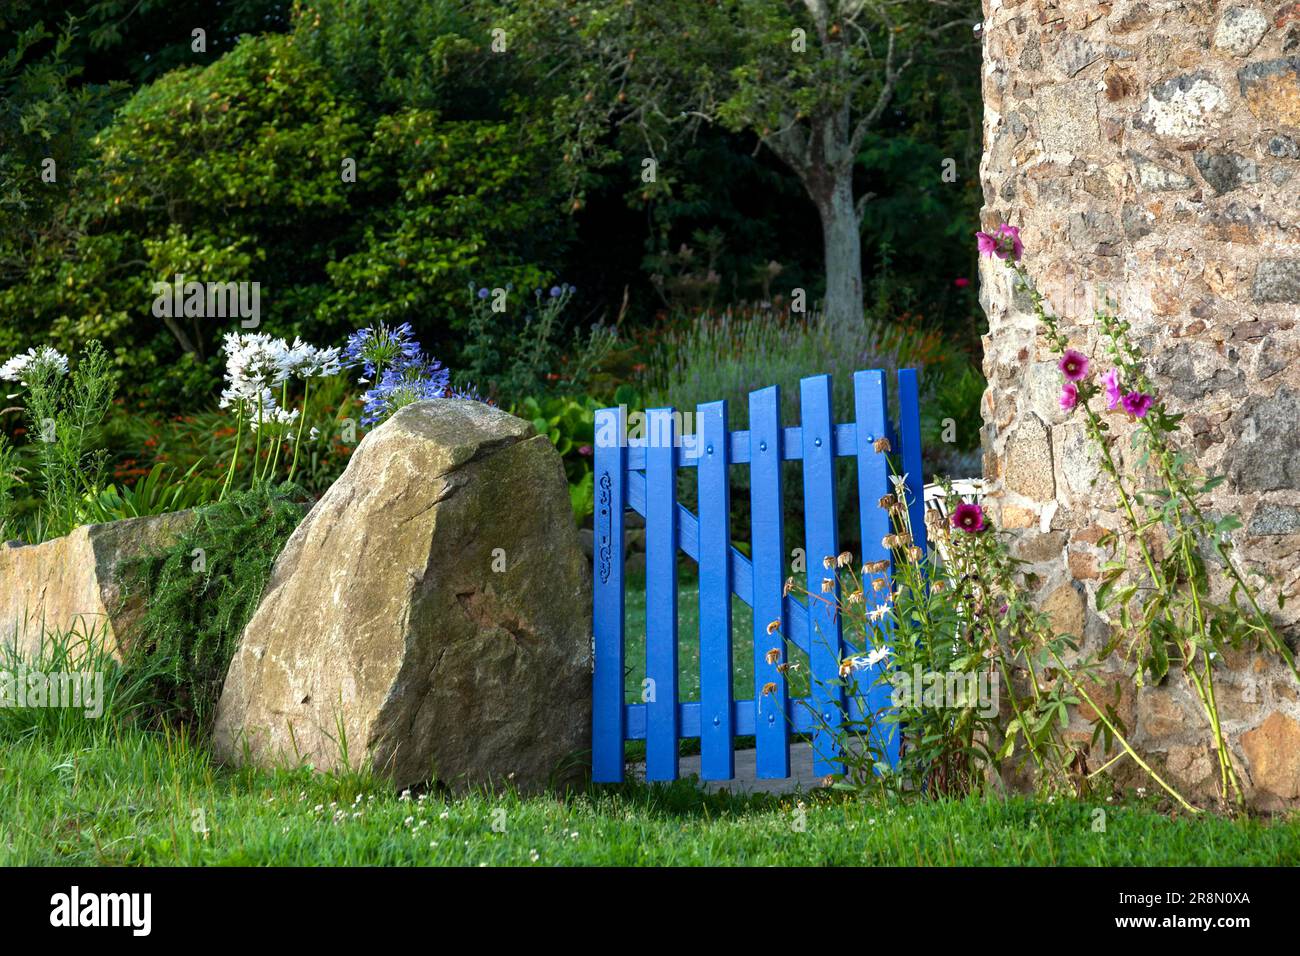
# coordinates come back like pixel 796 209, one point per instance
pixel 870 404
pixel 821 540
pixel 607 731
pixel 717 734
pixel 661 597
pixel 770 714
pixel 909 427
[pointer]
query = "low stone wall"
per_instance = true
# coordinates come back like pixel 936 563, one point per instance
pixel 1149 150
pixel 74 583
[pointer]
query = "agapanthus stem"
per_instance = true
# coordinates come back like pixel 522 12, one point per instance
pixel 234 459
pixel 302 421
pixel 257 443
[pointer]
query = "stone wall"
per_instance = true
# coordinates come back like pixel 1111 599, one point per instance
pixel 1150 152
pixel 74 585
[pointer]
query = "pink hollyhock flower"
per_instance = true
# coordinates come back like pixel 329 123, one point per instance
pixel 1113 392
pixel 1074 365
pixel 961 282
pixel 1069 395
pixel 584 450
pixel 968 518
pixel 1004 242
pixel 1137 404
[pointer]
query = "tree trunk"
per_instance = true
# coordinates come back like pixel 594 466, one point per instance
pixel 842 243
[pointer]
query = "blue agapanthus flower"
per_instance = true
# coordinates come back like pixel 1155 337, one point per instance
pixel 380 348
pixel 416 381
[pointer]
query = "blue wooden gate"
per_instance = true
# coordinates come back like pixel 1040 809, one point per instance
pixel 641 475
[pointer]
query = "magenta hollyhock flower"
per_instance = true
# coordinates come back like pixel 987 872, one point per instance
pixel 1074 365
pixel 1003 242
pixel 968 518
pixel 961 282
pixel 1137 404
pixel 1114 394
pixel 1069 396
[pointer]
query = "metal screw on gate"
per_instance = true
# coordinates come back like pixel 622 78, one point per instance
pixel 817 442
pixel 762 446
pixel 717 721
pixel 710 449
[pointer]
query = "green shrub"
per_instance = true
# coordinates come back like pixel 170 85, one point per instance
pixel 951 419
pixel 570 424
pixel 203 442
pixel 200 592
pixel 523 352
pixel 739 351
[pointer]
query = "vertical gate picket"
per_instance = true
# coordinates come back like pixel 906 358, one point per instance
pixel 771 732
pixel 873 484
pixel 821 541
pixel 608 730
pixel 661 541
pixel 717 735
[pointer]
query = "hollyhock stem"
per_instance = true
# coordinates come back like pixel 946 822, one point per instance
pixel 1122 740
pixel 1229 784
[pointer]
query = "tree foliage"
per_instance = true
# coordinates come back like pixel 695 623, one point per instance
pixel 234 171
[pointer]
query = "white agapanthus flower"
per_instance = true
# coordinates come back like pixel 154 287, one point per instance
pixel 21 367
pixel 276 416
pixel 307 361
pixel 255 361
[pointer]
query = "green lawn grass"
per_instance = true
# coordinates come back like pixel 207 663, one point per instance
pixel 77 790
pixel 688 644
pixel 106 795
pixel 122 796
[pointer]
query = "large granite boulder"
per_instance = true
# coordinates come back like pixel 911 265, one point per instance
pixel 429 619
pixel 76 584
